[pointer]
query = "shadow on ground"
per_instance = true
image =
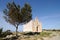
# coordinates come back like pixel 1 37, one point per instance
pixel 32 33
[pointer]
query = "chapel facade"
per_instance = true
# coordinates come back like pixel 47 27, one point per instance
pixel 33 26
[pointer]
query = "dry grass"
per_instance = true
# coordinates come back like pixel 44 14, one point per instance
pixel 40 36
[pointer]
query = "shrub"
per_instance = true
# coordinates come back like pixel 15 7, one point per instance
pixel 0 32
pixel 4 34
pixel 8 32
pixel 44 34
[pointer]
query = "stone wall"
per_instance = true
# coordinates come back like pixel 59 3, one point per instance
pixel 33 26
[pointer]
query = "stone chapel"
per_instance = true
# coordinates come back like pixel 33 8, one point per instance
pixel 33 26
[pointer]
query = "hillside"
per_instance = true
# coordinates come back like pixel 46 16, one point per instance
pixel 45 35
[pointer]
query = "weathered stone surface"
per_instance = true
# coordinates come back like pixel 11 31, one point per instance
pixel 33 26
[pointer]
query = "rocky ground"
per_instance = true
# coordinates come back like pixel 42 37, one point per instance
pixel 54 35
pixel 46 35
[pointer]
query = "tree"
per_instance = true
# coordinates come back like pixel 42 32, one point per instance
pixel 16 15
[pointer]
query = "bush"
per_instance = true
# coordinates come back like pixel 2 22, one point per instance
pixel 44 34
pixel 28 33
pixel 0 32
pixel 32 33
pixel 8 32
pixel 4 34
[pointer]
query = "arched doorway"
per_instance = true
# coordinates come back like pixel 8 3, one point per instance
pixel 37 29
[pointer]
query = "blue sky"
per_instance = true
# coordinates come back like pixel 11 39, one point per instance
pixel 47 11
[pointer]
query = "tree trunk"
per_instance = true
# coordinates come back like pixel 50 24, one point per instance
pixel 16 30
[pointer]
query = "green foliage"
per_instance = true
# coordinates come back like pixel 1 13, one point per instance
pixel 8 32
pixel 44 34
pixel 12 14
pixel 0 32
pixel 4 34
pixel 16 15
pixel 26 13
